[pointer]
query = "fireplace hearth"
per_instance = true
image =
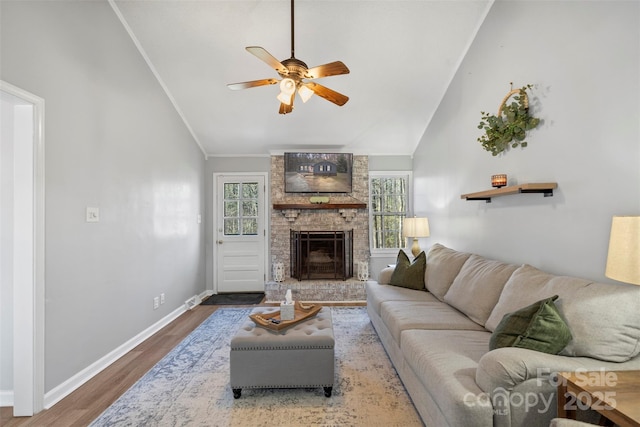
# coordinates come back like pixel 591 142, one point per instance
pixel 321 254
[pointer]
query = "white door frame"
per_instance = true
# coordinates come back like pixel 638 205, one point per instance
pixel 214 207
pixel 28 254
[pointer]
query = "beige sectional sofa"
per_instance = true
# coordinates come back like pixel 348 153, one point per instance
pixel 438 338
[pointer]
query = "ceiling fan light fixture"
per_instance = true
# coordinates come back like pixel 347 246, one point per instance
pixel 287 86
pixel 284 98
pixel 305 93
pixel 287 91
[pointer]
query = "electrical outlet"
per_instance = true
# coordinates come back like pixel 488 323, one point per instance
pixel 92 214
pixel 156 302
pixel 162 298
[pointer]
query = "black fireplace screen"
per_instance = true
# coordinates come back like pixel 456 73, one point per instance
pixel 321 254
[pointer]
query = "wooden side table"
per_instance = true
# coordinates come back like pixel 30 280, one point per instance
pixel 615 395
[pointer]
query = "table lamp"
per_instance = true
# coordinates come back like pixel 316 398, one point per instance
pixel 415 228
pixel 623 260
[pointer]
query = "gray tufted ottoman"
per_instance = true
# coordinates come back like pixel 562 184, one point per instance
pixel 299 356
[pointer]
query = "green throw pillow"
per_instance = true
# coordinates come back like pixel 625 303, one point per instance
pixel 536 327
pixel 409 274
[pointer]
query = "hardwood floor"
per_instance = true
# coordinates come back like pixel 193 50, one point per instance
pixel 92 398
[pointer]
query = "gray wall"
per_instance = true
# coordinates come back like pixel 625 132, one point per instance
pixel 113 141
pixel 584 59
pixel 390 163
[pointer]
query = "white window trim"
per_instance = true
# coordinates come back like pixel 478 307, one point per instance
pixel 385 253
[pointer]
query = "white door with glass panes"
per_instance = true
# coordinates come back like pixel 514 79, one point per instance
pixel 240 233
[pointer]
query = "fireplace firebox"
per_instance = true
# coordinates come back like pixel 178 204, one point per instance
pixel 321 254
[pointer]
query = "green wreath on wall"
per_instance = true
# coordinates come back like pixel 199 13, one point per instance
pixel 508 128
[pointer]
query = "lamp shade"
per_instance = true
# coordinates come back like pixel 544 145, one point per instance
pixel 284 98
pixel 415 227
pixel 287 91
pixel 623 260
pixel 287 86
pixel 305 93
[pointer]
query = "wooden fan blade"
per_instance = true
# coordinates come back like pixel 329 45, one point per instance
pixel 253 83
pixel 285 109
pixel 269 59
pixel 328 94
pixel 330 69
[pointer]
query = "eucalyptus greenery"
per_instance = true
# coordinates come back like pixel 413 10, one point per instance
pixel 510 127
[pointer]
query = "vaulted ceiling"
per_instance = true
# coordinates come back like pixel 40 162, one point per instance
pixel 401 55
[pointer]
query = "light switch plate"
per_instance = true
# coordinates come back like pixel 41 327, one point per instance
pixel 93 214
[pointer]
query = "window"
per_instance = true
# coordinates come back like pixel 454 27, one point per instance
pixel 389 205
pixel 241 208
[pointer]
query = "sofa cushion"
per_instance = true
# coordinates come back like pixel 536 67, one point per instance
pixel 402 315
pixel 443 265
pixel 377 294
pixel 603 318
pixel 385 275
pixel 445 362
pixel 476 289
pixel 522 289
pixel 538 327
pixel 408 274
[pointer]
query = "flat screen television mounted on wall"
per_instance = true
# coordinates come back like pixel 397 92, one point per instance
pixel 318 172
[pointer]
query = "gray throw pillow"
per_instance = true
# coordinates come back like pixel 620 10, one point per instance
pixel 538 327
pixel 409 274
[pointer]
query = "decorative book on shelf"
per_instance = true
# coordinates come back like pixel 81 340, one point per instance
pixel 546 188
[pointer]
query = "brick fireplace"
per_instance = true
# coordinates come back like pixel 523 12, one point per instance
pixel 295 213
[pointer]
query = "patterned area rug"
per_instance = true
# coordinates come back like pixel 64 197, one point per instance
pixel 190 385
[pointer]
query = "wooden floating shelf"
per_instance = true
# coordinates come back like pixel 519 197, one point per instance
pixel 319 206
pixel 546 188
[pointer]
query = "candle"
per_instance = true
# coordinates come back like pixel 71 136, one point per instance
pixel 499 180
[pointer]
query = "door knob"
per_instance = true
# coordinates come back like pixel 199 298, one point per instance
pixel 219 242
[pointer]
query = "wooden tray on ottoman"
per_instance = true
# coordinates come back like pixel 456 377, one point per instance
pixel 272 321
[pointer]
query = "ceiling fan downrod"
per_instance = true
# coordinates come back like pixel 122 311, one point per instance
pixel 296 68
pixel 292 32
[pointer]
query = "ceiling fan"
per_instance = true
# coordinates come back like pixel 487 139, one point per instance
pixel 293 73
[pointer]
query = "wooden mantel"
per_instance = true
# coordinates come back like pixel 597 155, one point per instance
pixel 350 205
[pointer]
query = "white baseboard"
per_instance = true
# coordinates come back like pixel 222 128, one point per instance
pixel 67 387
pixel 6 398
